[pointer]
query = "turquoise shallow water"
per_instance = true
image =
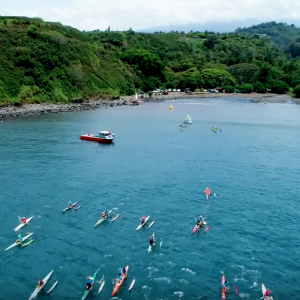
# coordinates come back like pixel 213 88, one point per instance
pixel 153 168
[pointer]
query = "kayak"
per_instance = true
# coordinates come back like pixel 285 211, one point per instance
pixel 87 291
pixel 67 208
pixel 150 247
pixel 16 244
pixel 119 284
pixel 263 289
pixel 27 243
pixel 38 289
pixel 223 294
pixel 142 225
pixel 23 224
pixel 102 220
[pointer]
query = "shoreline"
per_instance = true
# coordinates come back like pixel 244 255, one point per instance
pixel 12 111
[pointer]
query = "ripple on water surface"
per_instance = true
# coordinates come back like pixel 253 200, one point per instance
pixel 153 169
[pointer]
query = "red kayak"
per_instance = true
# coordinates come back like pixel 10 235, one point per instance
pixel 196 227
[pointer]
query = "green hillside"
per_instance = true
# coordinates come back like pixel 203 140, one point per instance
pixel 281 34
pixel 44 61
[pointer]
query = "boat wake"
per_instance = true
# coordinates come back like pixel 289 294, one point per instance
pixel 163 279
pixel 188 270
pixel 183 281
pixel 179 293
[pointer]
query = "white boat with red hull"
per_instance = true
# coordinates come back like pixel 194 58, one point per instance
pixel 103 137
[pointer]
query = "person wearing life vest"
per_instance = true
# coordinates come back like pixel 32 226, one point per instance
pixel 267 294
pixel 207 191
pixel 23 220
pixel 142 220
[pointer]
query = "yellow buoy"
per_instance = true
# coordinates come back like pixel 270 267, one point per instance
pixel 170 107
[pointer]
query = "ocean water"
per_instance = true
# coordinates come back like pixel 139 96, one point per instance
pixel 154 169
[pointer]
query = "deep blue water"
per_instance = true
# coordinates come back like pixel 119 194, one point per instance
pixel 153 168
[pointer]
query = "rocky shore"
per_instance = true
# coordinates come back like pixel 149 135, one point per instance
pixel 45 108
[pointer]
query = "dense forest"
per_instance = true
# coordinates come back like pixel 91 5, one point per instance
pixel 45 61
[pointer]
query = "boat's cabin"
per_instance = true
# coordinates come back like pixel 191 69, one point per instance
pixel 106 134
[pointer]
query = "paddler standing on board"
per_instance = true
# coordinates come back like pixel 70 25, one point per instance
pixel 90 281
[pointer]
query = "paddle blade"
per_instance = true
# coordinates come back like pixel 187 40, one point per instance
pixel 206 228
pixel 131 285
pixel 160 244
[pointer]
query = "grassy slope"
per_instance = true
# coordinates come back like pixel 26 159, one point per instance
pixel 43 61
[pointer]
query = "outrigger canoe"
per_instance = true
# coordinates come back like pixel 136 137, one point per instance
pixel 141 225
pixel 150 247
pixel 86 292
pixel 196 227
pixel 102 219
pixel 223 294
pixel 38 289
pixel 119 284
pixel 16 244
pixel 73 205
pixel 23 224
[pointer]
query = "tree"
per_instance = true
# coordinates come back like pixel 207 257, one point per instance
pixel 244 73
pixel 228 89
pixel 216 77
pixel 151 83
pixel 245 88
pixel 148 63
pixel 279 87
pixel 188 82
pixel 259 87
pixel 296 91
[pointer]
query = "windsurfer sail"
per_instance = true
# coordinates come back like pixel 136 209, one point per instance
pixel 188 119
